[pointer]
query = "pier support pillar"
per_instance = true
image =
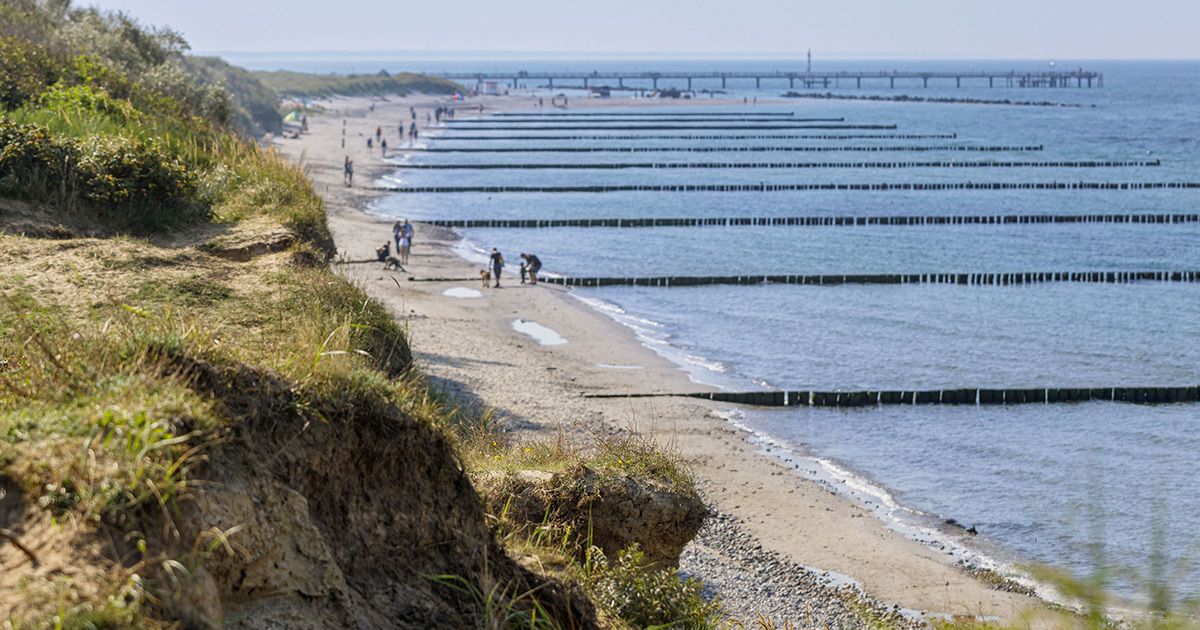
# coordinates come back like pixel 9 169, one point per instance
pixel 551 79
pixel 654 82
pixel 689 84
pixel 723 83
pixel 757 83
pixel 620 81
pixel 924 81
pixel 859 82
pixel 957 82
pixel 893 82
pixel 585 83
pixel 989 81
pixel 791 82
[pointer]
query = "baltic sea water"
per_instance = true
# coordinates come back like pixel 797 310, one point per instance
pixel 1047 483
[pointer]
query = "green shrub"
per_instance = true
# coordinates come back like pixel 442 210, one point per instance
pixel 645 598
pixel 84 100
pixel 126 183
pixel 25 70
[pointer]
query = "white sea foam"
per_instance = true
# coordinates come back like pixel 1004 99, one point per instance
pixel 544 336
pixel 654 336
pixel 610 366
pixel 915 524
pixel 462 292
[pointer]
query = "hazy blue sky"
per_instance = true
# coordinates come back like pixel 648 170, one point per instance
pixel 1025 29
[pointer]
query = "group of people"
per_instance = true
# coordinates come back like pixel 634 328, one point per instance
pixel 530 266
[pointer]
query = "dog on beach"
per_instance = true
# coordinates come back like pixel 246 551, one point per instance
pixel 392 263
pixel 486 276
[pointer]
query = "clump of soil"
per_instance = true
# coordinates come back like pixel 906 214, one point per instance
pixel 614 509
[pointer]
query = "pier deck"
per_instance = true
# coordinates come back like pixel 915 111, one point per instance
pixel 1008 78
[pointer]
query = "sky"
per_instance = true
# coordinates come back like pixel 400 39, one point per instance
pixel 833 29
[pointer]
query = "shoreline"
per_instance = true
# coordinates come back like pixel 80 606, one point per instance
pixel 468 347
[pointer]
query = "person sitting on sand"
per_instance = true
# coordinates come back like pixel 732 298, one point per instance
pixel 383 251
pixel 532 266
pixel 497 262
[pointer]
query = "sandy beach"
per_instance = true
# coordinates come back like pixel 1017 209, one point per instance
pixel 776 533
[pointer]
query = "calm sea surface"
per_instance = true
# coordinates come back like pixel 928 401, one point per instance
pixel 1046 483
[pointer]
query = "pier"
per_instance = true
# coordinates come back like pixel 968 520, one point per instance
pixel 1078 78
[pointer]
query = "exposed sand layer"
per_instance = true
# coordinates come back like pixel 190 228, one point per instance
pixel 470 347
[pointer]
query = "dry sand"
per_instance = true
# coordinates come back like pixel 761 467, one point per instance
pixel 470 347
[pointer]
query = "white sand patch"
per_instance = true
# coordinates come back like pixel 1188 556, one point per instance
pixel 462 292
pixel 544 336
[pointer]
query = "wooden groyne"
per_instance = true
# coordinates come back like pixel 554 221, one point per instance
pixel 491 126
pixel 765 187
pixel 832 221
pixel 856 148
pixel 756 136
pixel 953 164
pixel 965 279
pixel 662 119
pixel 585 115
pixel 961 396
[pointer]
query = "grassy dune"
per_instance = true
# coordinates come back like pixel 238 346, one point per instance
pixel 175 342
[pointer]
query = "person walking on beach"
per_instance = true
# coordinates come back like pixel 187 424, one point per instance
pixel 532 266
pixel 412 132
pixel 370 145
pixel 408 231
pixel 378 133
pixel 383 146
pixel 348 171
pixel 497 261
pixel 402 247
pixel 397 232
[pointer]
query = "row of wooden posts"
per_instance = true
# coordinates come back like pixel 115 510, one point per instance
pixel 979 219
pixel 735 149
pixel 970 279
pixel 765 187
pixel 951 164
pixel 661 119
pixel 676 127
pixel 757 136
pixel 961 396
